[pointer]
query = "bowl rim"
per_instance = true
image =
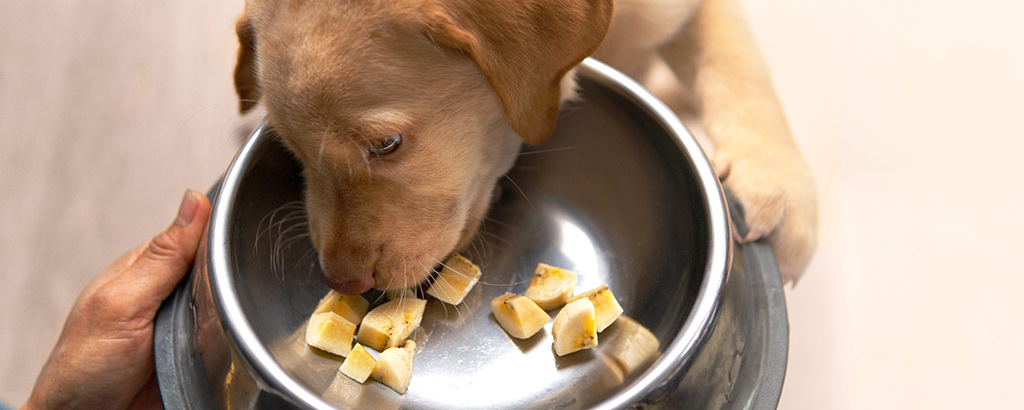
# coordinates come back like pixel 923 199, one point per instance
pixel 683 349
pixel 664 373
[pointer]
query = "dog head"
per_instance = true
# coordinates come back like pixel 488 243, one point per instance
pixel 405 113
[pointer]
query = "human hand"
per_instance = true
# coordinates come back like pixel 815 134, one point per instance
pixel 104 356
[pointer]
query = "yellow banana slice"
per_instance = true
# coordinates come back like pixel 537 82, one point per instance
pixel 394 367
pixel 551 286
pixel 574 327
pixel 359 364
pixel 606 307
pixel 330 332
pixel 389 324
pixel 456 279
pixel 518 315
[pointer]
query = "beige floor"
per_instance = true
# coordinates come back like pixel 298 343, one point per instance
pixel 909 112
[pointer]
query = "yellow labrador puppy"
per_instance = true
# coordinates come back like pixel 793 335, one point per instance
pixel 404 113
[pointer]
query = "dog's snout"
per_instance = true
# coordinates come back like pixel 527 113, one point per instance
pixel 346 277
pixel 350 286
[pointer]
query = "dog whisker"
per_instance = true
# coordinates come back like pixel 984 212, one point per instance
pixel 502 284
pixel 496 237
pixel 405 273
pixel 485 246
pixel 478 281
pixel 271 215
pixel 443 265
pixel 242 127
pixel 521 191
pixel 320 151
pixel 480 244
pixel 390 281
pixel 474 247
pixel 455 307
pixel 285 238
pixel 309 252
pixel 364 158
pixel 436 278
pixel 204 108
pixel 546 151
pixel 283 232
pixel 289 242
pixel 380 297
pixel 492 220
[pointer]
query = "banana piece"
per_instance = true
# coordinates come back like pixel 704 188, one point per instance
pixel 350 307
pixel 519 315
pixel 575 327
pixel 629 344
pixel 551 286
pixel 359 364
pixel 330 332
pixel 394 367
pixel 456 279
pixel 389 324
pixel 606 307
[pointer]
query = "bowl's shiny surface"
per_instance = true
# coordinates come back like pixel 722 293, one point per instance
pixel 622 194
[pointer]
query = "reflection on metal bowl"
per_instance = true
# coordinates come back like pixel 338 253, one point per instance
pixel 622 193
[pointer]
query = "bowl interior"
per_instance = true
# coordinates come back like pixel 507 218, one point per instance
pixel 612 195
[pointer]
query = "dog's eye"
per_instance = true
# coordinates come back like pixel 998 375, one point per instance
pixel 384 146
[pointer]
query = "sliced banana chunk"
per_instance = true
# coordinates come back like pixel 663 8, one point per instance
pixel 574 327
pixel 394 367
pixel 350 307
pixel 457 277
pixel 629 344
pixel 359 364
pixel 330 332
pixel 551 286
pixel 518 315
pixel 389 324
pixel 606 307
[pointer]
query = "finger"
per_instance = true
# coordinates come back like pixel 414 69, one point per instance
pixel 114 270
pixel 168 256
pixel 127 259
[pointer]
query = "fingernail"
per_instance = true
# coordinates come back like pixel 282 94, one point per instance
pixel 187 210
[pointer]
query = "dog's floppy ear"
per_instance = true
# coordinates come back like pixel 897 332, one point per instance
pixel 524 47
pixel 245 77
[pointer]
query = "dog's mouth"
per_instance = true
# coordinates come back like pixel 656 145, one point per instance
pixel 401 273
pixel 350 286
pixel 391 266
pixel 397 266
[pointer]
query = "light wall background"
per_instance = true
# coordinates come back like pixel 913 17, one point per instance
pixel 910 115
pixel 909 112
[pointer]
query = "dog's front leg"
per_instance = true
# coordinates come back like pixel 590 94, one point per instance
pixel 755 154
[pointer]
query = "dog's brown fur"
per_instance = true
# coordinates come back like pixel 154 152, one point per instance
pixel 463 81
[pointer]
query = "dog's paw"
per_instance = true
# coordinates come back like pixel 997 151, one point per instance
pixel 775 188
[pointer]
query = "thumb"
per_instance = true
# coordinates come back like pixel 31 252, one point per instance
pixel 168 257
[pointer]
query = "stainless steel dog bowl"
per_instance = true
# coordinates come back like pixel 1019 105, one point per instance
pixel 622 193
